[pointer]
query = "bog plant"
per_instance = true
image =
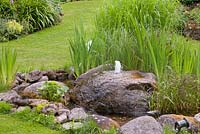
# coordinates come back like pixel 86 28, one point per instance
pixel 52 91
pixel 178 94
pixel 8 67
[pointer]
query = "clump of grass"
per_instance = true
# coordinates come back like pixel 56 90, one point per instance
pixel 177 94
pixel 117 13
pixel 195 15
pixel 169 130
pixel 7 67
pixel 5 107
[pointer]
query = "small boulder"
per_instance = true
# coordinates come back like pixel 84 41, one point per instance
pixel 61 118
pixel 43 78
pixel 32 90
pixel 36 102
pixel 34 76
pixel 51 75
pixel 72 125
pixel 170 119
pixel 50 109
pixel 22 108
pixel 104 122
pixel 20 88
pixel 63 110
pixel 142 125
pixel 77 114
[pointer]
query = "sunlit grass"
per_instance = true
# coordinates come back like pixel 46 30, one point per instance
pixel 47 49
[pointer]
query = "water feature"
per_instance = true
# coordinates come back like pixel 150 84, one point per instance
pixel 117 67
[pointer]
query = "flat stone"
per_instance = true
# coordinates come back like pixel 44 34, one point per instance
pixel 142 125
pixel 36 102
pixel 34 76
pixel 22 108
pixel 50 109
pixel 43 78
pixel 20 88
pixel 61 111
pixel 32 90
pixel 77 114
pixel 9 96
pixel 62 118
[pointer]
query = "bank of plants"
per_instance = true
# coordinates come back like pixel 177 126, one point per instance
pixel 177 94
pixel 8 67
pixel 143 36
pixel 89 126
pixel 27 16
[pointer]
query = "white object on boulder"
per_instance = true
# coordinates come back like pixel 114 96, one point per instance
pixel 117 67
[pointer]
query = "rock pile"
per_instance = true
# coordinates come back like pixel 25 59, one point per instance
pixel 23 80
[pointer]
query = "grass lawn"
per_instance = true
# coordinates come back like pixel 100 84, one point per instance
pixel 10 125
pixel 48 49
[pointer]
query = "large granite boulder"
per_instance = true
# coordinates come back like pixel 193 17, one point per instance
pixel 125 93
pixel 142 125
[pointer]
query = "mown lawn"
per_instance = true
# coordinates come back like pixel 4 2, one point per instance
pixel 48 49
pixel 10 125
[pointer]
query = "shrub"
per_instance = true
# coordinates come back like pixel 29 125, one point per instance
pixel 5 107
pixel 38 13
pixel 7 67
pixel 33 15
pixel 52 91
pixel 10 29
